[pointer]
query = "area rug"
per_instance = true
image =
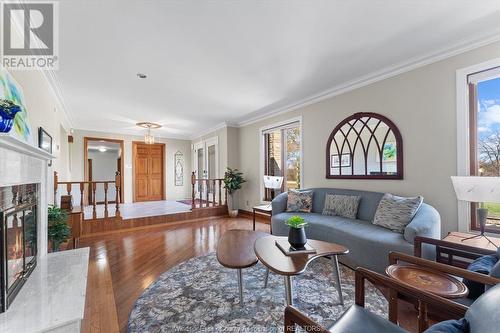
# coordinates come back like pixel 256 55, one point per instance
pixel 201 295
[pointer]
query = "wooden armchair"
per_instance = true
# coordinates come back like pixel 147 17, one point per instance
pixel 453 254
pixel 358 319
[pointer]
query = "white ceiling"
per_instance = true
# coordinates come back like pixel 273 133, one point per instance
pixel 229 61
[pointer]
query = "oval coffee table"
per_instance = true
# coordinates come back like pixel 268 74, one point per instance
pixel 235 249
pixel 275 260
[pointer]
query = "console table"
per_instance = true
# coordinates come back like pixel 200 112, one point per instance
pixel 266 209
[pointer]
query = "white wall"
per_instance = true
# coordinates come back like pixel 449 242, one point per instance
pixel 43 111
pixel 172 192
pixel 422 103
pixel 104 167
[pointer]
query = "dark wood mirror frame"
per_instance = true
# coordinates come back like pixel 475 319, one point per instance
pixel 358 117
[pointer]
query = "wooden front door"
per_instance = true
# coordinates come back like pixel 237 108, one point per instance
pixel 148 171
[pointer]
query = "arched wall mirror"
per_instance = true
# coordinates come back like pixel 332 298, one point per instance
pixel 365 146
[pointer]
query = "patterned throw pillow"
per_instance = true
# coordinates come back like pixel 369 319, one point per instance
pixel 395 212
pixel 299 201
pixel 341 205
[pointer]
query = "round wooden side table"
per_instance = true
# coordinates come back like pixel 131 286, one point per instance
pixel 429 280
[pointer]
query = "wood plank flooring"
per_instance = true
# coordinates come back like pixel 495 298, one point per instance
pixel 123 264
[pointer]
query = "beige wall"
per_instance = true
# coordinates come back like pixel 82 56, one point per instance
pixel 172 146
pixel 43 111
pixel 228 138
pixel 422 103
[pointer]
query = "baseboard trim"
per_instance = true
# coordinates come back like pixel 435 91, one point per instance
pixel 258 216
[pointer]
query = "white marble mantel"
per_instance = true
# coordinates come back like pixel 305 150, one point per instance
pixel 53 297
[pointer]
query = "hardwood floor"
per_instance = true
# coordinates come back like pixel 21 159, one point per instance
pixel 123 264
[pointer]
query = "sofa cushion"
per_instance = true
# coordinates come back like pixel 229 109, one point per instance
pixel 482 265
pixel 341 205
pixel 395 213
pixel 299 201
pixel 367 205
pixel 449 326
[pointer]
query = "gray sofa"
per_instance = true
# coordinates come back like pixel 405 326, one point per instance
pixel 369 245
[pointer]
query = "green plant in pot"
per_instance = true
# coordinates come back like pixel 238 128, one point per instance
pixel 233 179
pixel 297 234
pixel 58 229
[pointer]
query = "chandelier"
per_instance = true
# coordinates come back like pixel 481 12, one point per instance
pixel 148 137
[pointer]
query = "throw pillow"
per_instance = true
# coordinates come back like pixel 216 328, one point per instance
pixel 449 326
pixel 482 265
pixel 299 201
pixel 341 205
pixel 395 212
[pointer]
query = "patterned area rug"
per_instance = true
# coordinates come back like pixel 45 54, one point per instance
pixel 202 295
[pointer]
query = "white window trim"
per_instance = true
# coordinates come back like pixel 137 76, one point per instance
pixel 261 151
pixel 463 140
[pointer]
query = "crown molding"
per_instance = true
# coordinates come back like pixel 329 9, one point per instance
pixel 131 134
pixel 213 129
pixel 376 76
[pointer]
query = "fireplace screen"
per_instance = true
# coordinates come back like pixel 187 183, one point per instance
pixel 18 214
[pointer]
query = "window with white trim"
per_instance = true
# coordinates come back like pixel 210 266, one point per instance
pixel 282 156
pixel 484 133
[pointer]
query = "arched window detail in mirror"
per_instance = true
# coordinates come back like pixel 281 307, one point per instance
pixel 365 146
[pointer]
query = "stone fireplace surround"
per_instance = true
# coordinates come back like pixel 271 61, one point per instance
pixel 53 298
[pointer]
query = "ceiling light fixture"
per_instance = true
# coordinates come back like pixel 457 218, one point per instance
pixel 148 138
pixel 102 149
pixel 141 75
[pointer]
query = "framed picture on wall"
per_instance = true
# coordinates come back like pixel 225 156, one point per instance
pixel 44 140
pixel 344 161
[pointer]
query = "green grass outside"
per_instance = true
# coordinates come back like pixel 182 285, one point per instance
pixel 493 211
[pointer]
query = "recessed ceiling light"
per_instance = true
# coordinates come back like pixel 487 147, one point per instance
pixel 141 75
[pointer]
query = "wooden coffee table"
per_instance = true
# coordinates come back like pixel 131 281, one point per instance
pixel 426 279
pixel 236 250
pixel 275 260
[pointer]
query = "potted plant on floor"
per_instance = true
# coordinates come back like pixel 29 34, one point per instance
pixel 297 235
pixel 233 179
pixel 58 229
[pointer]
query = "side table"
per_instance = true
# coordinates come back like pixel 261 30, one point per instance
pixel 264 210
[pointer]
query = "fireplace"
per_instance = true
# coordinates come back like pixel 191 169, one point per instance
pixel 18 229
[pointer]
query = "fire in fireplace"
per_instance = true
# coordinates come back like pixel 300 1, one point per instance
pixel 18 229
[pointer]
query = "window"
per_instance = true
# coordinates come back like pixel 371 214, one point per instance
pixel 484 106
pixel 282 156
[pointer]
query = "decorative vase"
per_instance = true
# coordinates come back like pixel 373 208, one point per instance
pixel 233 212
pixel 297 237
pixel 8 111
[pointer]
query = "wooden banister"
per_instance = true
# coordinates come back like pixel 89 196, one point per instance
pixel 92 187
pixel 207 185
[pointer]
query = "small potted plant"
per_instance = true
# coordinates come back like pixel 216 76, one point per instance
pixel 232 183
pixel 58 229
pixel 297 235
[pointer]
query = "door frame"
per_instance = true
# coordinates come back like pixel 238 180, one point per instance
pixel 163 164
pixel 86 140
pixel 205 143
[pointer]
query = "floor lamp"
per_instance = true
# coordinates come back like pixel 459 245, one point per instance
pixel 478 189
pixel 273 183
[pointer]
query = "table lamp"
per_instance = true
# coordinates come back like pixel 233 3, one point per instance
pixel 273 183
pixel 478 189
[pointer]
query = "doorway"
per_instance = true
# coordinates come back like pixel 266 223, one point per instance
pixel 206 164
pixel 102 159
pixel 149 171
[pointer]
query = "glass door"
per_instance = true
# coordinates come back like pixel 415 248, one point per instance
pixel 205 166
